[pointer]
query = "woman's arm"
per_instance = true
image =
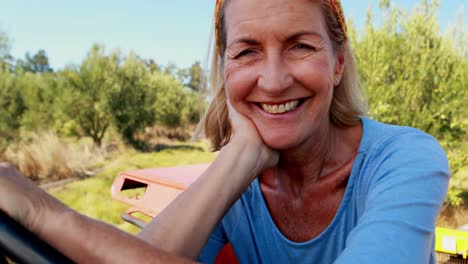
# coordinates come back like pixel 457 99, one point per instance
pixel 184 227
pixel 80 238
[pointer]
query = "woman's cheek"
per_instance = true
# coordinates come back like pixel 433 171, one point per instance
pixel 240 80
pixel 315 74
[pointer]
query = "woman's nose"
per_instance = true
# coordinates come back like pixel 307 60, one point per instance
pixel 274 77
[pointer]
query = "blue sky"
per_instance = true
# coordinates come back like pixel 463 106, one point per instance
pixel 174 31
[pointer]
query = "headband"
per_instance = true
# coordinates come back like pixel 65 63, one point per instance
pixel 335 4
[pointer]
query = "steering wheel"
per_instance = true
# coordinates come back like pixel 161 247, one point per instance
pixel 21 246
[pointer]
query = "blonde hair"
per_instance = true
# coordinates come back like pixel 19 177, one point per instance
pixel 347 105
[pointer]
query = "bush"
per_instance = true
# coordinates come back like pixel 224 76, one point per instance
pixel 416 76
pixel 45 157
pixel 87 89
pixel 12 107
pixel 131 100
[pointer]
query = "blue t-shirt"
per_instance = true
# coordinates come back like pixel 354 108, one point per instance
pixel 394 193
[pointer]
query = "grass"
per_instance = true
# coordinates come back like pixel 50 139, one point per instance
pixel 92 196
pixel 44 157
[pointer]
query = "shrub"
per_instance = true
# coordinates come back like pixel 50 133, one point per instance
pixel 45 157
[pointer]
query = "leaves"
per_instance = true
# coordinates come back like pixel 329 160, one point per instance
pixel 416 76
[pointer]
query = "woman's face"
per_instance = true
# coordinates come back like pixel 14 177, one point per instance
pixel 280 68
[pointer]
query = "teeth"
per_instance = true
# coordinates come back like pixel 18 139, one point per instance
pixel 282 108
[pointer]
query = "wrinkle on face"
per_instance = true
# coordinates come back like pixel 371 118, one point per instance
pixel 240 26
pixel 238 23
pixel 279 41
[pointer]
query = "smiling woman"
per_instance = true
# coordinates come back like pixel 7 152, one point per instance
pixel 301 177
pixel 287 71
pixel 298 41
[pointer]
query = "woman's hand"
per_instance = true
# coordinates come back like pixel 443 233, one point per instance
pixel 245 133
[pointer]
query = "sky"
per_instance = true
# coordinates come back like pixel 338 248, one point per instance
pixel 175 31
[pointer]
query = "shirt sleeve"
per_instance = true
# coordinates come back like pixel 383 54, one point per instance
pixel 403 197
pixel 215 243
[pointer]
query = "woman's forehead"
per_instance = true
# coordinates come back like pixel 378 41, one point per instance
pixel 268 16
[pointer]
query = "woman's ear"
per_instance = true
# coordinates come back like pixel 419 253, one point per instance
pixel 339 67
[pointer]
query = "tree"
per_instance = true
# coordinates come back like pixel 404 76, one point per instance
pixel 131 100
pixel 152 65
pixel 38 63
pixel 12 107
pixel 5 56
pixel 196 77
pixel 89 91
pixel 170 99
pixel 416 76
pixel 42 95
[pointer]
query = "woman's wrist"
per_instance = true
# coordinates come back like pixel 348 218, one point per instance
pixel 238 163
pixel 241 153
pixel 254 154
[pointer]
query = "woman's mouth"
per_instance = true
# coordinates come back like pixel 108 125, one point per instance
pixel 281 108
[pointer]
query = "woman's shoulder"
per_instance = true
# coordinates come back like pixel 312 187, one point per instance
pixel 390 150
pixel 399 150
pixel 398 160
pixel 381 137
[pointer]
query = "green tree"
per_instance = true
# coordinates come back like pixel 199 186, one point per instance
pixel 416 76
pixel 175 105
pixel 131 101
pixel 43 95
pixel 412 74
pixel 38 63
pixel 90 86
pixel 170 99
pixel 196 77
pixel 12 107
pixel 5 56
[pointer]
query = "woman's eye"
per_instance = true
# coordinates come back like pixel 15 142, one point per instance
pixel 301 46
pixel 243 53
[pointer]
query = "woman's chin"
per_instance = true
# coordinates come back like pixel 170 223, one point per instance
pixel 279 142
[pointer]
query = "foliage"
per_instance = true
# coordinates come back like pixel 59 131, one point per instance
pixel 170 99
pixel 413 75
pixel 131 98
pixel 45 157
pixel 12 107
pixel 126 93
pixel 43 98
pixel 416 76
pixel 38 63
pixel 194 77
pixel 4 45
pixel 458 159
pixel 88 91
pixel 5 56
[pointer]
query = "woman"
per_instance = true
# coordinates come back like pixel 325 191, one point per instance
pixel 308 178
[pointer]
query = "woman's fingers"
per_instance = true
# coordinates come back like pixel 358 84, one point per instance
pixel 244 128
pixel 238 121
